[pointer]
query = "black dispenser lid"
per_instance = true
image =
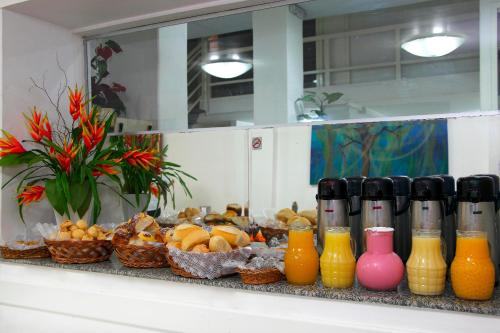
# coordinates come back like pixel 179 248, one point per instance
pixel 448 186
pixel 332 189
pixel 354 186
pixel 377 189
pixel 427 189
pixel 401 185
pixel 476 189
pixel 496 180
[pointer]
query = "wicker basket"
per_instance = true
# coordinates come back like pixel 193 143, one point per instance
pixel 35 253
pixel 177 270
pixel 79 252
pixel 260 276
pixel 146 256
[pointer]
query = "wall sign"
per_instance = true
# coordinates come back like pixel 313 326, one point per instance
pixel 257 143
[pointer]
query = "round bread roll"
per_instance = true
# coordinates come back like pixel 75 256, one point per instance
pixel 298 221
pixel 182 230
pixel 200 248
pixel 229 214
pixel 285 214
pixel 65 225
pixel 219 244
pixel 64 235
pixel 194 238
pixel 244 240
pixel 93 231
pixel 213 218
pixel 231 234
pixel 311 215
pixel 174 244
pixel 77 234
pixel 87 237
pixel 234 207
pixel 82 224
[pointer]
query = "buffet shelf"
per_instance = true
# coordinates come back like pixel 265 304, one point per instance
pixel 401 297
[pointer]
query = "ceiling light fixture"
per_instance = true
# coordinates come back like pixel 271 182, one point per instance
pixel 224 66
pixel 433 45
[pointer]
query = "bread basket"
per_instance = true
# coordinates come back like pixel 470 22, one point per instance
pixel 34 253
pixel 259 276
pixel 142 256
pixel 79 252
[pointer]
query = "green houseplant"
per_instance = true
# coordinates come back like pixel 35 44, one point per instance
pixel 320 101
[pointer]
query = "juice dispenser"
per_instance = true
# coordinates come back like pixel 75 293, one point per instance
pixel 449 225
pixel 332 206
pixel 354 194
pixel 402 223
pixel 377 205
pixel 426 267
pixel 476 210
pixel 473 270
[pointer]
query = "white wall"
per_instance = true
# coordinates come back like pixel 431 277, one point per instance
pixel 29 49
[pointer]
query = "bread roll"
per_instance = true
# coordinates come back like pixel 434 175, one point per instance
pixel 229 214
pixel 73 227
pixel 93 231
pixel 229 233
pixel 82 224
pixel 244 240
pixel 285 214
pixel 213 218
pixel 174 244
pixel 65 225
pixel 87 237
pixel 194 238
pixel 181 215
pixel 77 234
pixel 141 221
pixel 298 221
pixel 200 248
pixel 219 244
pixel 146 236
pixel 64 235
pixel 235 208
pixel 311 215
pixel 182 230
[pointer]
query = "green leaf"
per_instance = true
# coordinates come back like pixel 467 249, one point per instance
pixel 16 159
pixel 114 46
pixel 84 207
pixel 332 97
pixel 78 194
pixel 55 196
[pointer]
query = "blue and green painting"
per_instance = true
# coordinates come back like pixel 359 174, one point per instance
pixel 412 148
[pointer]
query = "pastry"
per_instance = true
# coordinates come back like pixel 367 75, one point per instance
pixel 229 214
pixel 167 234
pixel 298 221
pixel 194 238
pixel 121 236
pixel 146 236
pixel 285 214
pixel 64 235
pixel 77 234
pixel 93 231
pixel 244 240
pixel 182 230
pixel 200 248
pixel 311 215
pixel 65 225
pixel 235 208
pixel 174 244
pixel 219 244
pixel 142 221
pixel 229 233
pixel 213 218
pixel 82 224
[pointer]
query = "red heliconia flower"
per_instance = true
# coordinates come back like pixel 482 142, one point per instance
pixel 65 158
pixel 39 126
pixel 106 168
pixel 154 189
pixel 92 133
pixel 10 145
pixel 30 194
pixel 76 103
pixel 144 159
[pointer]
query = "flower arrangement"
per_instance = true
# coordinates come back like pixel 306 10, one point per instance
pixel 145 169
pixel 65 163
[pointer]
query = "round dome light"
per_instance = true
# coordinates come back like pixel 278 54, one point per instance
pixel 226 69
pixel 433 45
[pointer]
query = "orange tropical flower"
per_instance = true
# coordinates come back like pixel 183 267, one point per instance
pixel 154 189
pixel 92 134
pixel 76 103
pixel 39 126
pixel 30 194
pixel 106 168
pixel 10 145
pixel 65 158
pixel 145 159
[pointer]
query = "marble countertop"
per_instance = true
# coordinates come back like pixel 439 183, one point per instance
pixel 401 297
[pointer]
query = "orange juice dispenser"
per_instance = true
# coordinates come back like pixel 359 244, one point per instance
pixel 472 270
pixel 426 267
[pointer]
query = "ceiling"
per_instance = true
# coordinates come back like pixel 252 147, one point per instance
pixel 96 16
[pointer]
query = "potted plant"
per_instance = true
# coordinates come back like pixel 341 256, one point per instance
pixel 319 101
pixel 66 163
pixel 106 95
pixel 146 171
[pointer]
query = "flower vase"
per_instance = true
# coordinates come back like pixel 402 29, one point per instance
pixel 73 216
pixel 130 210
pixel 379 268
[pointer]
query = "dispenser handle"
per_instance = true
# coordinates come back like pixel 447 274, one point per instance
pixel 403 209
pixel 450 207
pixel 353 212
